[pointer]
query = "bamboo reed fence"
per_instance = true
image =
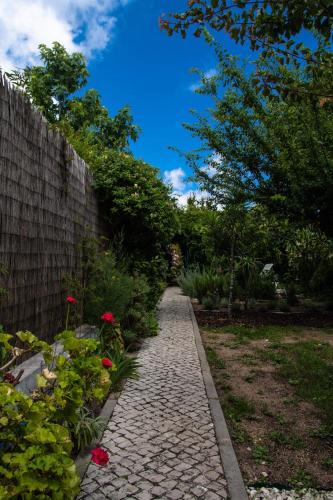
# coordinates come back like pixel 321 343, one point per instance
pixel 47 206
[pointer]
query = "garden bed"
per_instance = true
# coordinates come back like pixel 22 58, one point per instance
pixel 275 388
pixel 257 318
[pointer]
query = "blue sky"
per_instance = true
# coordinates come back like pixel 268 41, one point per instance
pixel 131 62
pixel 150 71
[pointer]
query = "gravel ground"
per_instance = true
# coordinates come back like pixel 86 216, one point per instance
pixel 275 494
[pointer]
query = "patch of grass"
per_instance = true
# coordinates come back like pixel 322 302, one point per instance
pixel 302 479
pixel 224 386
pixel 322 432
pixel 249 360
pixel 328 463
pixel 236 343
pixel 291 401
pixel 281 420
pixel 272 356
pixel 238 434
pixel 238 408
pixel 294 442
pixel 260 454
pixel 266 411
pixel 309 367
pixel 214 359
pixel 273 333
pixel 250 377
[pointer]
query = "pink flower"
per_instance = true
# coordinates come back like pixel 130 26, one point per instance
pixel 107 362
pixel 108 317
pixel 99 456
pixel 71 300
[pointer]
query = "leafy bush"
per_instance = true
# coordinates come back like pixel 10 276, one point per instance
pixel 108 285
pixel 87 429
pixel 199 284
pixel 127 367
pixel 284 307
pixel 291 295
pixel 109 288
pixel 35 452
pixel 211 302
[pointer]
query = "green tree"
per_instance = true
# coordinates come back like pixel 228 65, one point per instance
pixel 88 115
pixel 270 26
pixel 50 85
pixel 277 153
pixel 254 20
pixel 135 202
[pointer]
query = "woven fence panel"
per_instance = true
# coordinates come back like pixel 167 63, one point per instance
pixel 47 206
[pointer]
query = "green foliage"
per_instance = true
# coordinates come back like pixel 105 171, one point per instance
pixel 260 454
pixel 130 297
pixel 271 27
pixel 257 21
pixel 199 284
pixel 302 479
pixel 239 408
pixel 200 234
pixel 306 252
pixel 127 366
pixel 308 367
pixel 136 202
pixel 87 429
pixel 49 86
pixel 34 452
pixel 214 359
pixel 211 302
pixel 110 287
pixel 80 379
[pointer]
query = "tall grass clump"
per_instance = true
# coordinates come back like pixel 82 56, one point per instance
pixel 199 284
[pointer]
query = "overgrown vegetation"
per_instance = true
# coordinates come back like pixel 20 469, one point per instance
pixel 137 206
pixel 276 392
pixel 40 433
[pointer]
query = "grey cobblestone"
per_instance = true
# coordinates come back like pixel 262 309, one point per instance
pixel 161 437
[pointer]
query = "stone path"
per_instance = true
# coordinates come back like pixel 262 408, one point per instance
pixel 161 436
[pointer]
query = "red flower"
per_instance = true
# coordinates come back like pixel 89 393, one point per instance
pixel 9 377
pixel 107 362
pixel 99 456
pixel 108 317
pixel 71 300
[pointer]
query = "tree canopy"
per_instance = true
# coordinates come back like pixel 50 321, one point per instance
pixel 269 26
pixel 274 152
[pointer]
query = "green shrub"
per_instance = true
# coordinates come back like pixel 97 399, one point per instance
pixel 313 306
pixel 87 429
pixel 110 288
pixel 291 295
pixel 211 302
pixel 126 366
pixel 284 307
pixel 202 283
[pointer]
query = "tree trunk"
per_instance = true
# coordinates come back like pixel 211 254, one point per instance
pixel 232 275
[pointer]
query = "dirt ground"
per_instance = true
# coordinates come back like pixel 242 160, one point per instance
pixel 274 432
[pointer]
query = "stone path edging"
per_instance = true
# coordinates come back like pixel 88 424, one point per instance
pixel 231 468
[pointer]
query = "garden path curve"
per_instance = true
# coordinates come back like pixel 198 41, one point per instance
pixel 161 436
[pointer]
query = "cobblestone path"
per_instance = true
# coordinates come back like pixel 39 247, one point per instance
pixel 161 436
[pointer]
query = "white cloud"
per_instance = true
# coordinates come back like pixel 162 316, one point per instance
pixel 182 190
pixel 196 193
pixel 83 25
pixel 208 74
pixel 175 177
